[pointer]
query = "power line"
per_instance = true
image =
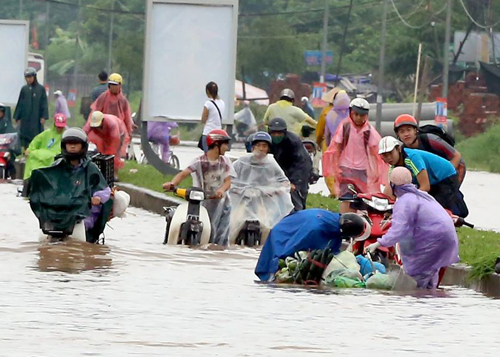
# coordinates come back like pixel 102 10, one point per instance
pixel 474 21
pixel 413 26
pixel 92 7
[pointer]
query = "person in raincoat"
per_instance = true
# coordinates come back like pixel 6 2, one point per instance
pixel 159 132
pixel 294 117
pixel 212 172
pixel 352 157
pixel 424 230
pixel 72 189
pixel 109 134
pixel 260 191
pixel 328 98
pixel 306 230
pixel 61 104
pixel 6 126
pixel 32 108
pixel 293 158
pixel 45 146
pixel 114 102
pixel 307 107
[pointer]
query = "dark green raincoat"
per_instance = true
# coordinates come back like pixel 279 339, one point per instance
pixel 60 195
pixel 31 106
pixel 6 126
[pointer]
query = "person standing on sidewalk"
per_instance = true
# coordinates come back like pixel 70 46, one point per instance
pixel 101 88
pixel 61 104
pixel 213 109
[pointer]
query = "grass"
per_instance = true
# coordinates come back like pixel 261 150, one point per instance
pixel 477 248
pixel 481 152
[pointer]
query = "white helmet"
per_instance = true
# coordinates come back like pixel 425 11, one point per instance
pixel 360 106
pixel 387 144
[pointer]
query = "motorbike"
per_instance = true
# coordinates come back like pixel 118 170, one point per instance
pixel 250 234
pixel 189 223
pixel 7 143
pixel 377 209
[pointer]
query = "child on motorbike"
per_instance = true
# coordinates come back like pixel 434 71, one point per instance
pixel 431 173
pixel 425 232
pixel 352 155
pixel 212 172
pixel 72 189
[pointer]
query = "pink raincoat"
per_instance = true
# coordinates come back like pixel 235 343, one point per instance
pixel 339 112
pixel 111 139
pixel 115 104
pixel 354 148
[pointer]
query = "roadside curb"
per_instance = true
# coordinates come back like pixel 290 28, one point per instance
pixel 455 275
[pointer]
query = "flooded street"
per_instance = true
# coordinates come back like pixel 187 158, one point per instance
pixel 136 297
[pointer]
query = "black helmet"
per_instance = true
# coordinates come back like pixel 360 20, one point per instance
pixel 30 72
pixel 277 124
pixel 74 135
pixel 354 226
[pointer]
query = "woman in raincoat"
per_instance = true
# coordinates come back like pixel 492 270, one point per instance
pixel 45 146
pixel 424 230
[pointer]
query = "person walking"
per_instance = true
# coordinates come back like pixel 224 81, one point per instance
pixel 61 104
pixel 212 115
pixel 32 108
pixel 101 88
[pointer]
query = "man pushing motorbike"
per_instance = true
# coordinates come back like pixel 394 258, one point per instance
pixel 260 192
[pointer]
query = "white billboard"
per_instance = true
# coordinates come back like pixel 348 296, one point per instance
pixel 14 38
pixel 188 44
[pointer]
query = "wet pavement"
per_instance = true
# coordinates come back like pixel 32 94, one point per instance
pixel 136 297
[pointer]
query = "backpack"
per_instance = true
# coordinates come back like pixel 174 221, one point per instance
pixel 347 131
pixel 437 130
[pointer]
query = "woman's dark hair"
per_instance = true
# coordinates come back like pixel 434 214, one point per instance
pixel 212 89
pixel 103 76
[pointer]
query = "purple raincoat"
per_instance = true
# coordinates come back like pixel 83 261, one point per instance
pixel 334 117
pixel 159 133
pixel 425 233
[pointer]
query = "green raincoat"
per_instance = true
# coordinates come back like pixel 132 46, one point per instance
pixel 31 107
pixel 42 150
pixel 60 194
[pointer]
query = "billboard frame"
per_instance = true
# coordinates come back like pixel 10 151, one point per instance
pixel 25 23
pixel 145 116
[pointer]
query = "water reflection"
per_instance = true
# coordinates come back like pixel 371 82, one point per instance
pixel 73 257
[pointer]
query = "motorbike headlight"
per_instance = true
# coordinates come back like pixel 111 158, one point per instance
pixel 380 204
pixel 196 196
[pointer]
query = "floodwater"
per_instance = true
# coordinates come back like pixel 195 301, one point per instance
pixel 136 297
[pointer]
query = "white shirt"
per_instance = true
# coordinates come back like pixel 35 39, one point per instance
pixel 214 119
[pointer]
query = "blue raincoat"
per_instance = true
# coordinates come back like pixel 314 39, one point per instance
pixel 303 230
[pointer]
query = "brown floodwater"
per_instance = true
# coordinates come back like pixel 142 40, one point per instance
pixel 136 297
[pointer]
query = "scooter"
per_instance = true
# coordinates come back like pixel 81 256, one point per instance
pixel 189 223
pixel 7 141
pixel 250 234
pixel 51 234
pixel 378 211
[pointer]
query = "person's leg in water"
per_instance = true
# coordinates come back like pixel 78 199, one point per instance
pixel 220 214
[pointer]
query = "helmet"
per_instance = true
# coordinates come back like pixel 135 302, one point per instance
pixel 2 107
pixel 304 99
pixel 387 144
pixel 360 106
pixel 400 176
pixel 96 119
pixel 404 119
pixel 115 78
pixel 74 135
pixel 261 136
pixel 217 136
pixel 287 93
pixel 59 120
pixel 353 225
pixel 30 72
pixel 277 124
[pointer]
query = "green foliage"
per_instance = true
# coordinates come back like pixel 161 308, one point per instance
pixel 479 249
pixel 481 152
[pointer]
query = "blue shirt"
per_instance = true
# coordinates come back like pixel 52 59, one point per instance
pixel 437 168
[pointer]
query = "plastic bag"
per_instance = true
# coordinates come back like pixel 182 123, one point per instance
pixel 345 273
pixel 380 281
pixel 344 282
pixel 366 267
pixel 343 260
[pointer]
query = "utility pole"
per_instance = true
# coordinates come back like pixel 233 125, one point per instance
pixel 325 42
pixel 110 39
pixel 77 44
pixel 446 51
pixel 380 87
pixel 339 66
pixel 47 25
